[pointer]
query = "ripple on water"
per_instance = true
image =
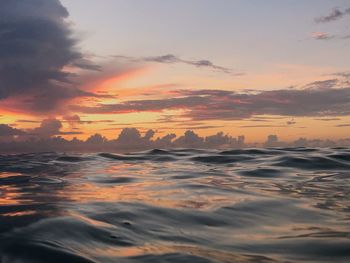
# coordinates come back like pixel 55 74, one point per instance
pixel 181 205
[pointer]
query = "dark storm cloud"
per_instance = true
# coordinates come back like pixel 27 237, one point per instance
pixel 36 44
pixel 318 100
pixel 172 59
pixel 333 15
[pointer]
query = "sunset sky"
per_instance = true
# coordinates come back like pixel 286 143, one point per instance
pixel 242 67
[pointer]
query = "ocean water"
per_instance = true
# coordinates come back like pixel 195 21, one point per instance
pixel 250 205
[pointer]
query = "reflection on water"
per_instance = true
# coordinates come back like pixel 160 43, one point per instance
pixel 254 205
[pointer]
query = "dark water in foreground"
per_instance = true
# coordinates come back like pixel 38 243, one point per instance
pixel 273 205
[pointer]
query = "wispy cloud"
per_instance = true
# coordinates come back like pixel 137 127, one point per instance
pixel 322 84
pixel 172 59
pixel 318 99
pixel 333 15
pixel 344 74
pixel 321 36
pixel 327 36
pixel 262 126
pixel 343 125
pixel 328 119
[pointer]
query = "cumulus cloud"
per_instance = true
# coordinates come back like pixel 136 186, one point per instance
pixel 131 139
pixel 189 140
pixel 333 15
pixel 49 128
pixel 96 139
pixel 36 45
pixel 273 141
pixel 172 59
pixel 318 99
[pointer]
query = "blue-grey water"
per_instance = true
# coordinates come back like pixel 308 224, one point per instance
pixel 250 205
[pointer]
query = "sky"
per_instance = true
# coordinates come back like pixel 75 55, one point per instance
pixel 252 68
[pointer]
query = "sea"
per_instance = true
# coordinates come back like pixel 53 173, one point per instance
pixel 181 205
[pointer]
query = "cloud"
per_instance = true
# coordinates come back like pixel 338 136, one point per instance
pixel 327 36
pixel 262 126
pixel 189 140
pixel 321 36
pixel 6 130
pixel 318 99
pixel 27 121
pixel 272 141
pixel 96 139
pixel 49 128
pixel 36 46
pixel 131 139
pixel 328 119
pixel 172 59
pixel 343 125
pixel 323 84
pixel 202 127
pixel 345 74
pixel 291 122
pixel 334 14
pixel 265 119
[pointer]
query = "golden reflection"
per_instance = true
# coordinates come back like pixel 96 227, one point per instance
pixel 20 213
pixel 157 193
pixel 7 175
pixel 89 220
pixel 9 195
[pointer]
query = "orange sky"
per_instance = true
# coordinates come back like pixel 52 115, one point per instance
pixel 283 72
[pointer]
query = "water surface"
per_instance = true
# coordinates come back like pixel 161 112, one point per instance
pixel 251 205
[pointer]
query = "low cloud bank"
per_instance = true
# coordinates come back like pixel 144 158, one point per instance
pixel 48 138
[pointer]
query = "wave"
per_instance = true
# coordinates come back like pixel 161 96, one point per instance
pixel 176 205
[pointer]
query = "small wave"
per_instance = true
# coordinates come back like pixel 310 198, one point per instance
pixel 72 159
pixel 176 205
pixel 311 163
pixel 123 157
pixel 261 172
